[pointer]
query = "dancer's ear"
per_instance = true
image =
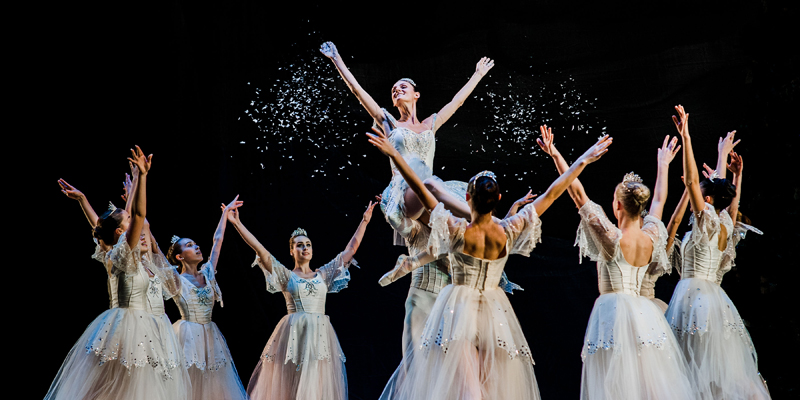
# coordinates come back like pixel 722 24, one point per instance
pixel 468 197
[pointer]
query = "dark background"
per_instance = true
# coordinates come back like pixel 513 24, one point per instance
pixel 180 79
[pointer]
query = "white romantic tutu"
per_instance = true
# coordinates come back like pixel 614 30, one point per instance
pixel 302 360
pixel 472 347
pixel 209 362
pixel 715 341
pixel 124 354
pixel 660 304
pixel 630 352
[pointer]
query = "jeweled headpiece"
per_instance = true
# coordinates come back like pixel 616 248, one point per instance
pixel 714 175
pixel 409 80
pixel 631 177
pixel 299 232
pixel 174 239
pixel 488 174
pixel 111 206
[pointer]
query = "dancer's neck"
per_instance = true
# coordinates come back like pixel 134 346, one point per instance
pixel 408 113
pixel 627 223
pixel 302 268
pixel 190 268
pixel 480 219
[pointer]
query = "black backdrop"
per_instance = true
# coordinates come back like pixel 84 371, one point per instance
pixel 181 78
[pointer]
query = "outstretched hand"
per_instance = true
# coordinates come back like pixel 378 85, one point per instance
pixel 736 163
pixel 139 160
pixel 546 141
pixel 329 50
pixel 483 66
pixel 380 141
pixel 681 121
pixel 368 214
pixel 597 150
pixel 70 190
pixel 668 150
pixel 231 211
pixel 708 172
pixel 527 199
pixel 727 144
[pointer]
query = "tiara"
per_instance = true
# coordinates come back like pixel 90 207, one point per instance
pixel 174 239
pixel 111 206
pixel 409 80
pixel 299 232
pixel 630 177
pixel 488 174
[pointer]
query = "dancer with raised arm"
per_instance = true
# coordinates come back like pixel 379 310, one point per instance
pixel 472 344
pixel 628 351
pixel 708 325
pixel 302 359
pixel 414 140
pixel 129 352
pixel 208 360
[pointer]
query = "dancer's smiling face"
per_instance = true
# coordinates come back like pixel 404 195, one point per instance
pixel 403 91
pixel 301 248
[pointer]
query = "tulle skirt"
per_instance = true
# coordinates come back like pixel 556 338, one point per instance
pixel 393 197
pixel 472 347
pixel 302 360
pixel 124 354
pixel 629 352
pixel 715 341
pixel 660 304
pixel 208 362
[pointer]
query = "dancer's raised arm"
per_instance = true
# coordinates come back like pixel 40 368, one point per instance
pixel 691 178
pixel 352 246
pixel 525 200
pixel 547 144
pixel 483 66
pixel 261 251
pixel 724 148
pixel 665 156
pixel 76 194
pixel 139 201
pixel 735 167
pixel 219 234
pixel 330 51
pixel 676 218
pixel 543 202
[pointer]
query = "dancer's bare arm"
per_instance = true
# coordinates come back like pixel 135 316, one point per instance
pixel 677 217
pixel 735 167
pixel 330 51
pixel 483 66
pixel 666 154
pixel 547 145
pixel 139 201
pixel 261 251
pixel 352 246
pixel 724 148
pixel 525 200
pixel 691 178
pixel 76 194
pixel 219 234
pixel 543 202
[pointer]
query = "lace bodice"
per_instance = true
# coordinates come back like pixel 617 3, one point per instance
pixel 599 239
pixel 416 148
pixel 308 295
pixel 700 253
pixel 523 231
pixel 196 304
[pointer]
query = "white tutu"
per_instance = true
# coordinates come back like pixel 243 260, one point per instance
pixel 715 341
pixel 209 362
pixel 302 360
pixel 630 352
pixel 124 354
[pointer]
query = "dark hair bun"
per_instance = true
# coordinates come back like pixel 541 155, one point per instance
pixel 485 195
pixel 721 190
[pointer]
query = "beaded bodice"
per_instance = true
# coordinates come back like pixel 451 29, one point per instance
pixel 618 276
pixel 477 273
pixel 194 303
pixel 700 251
pixel 305 295
pixel 416 148
pixel 140 291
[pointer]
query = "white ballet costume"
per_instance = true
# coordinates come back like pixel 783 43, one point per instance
pixel 207 358
pixel 629 351
pixel 303 359
pixel 648 288
pixel 112 283
pixel 472 345
pixel 709 328
pixel 128 352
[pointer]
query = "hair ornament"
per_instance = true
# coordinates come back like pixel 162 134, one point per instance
pixel 409 80
pixel 630 177
pixel 714 175
pixel 488 174
pixel 175 239
pixel 111 206
pixel 299 232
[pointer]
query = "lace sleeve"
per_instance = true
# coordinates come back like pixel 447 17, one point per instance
pixel 729 254
pixel 389 118
pixel 336 274
pixel 278 279
pixel 211 279
pixel 597 237
pixel 524 230
pixel 447 234
pixel 434 128
pixel 507 285
pixel 740 231
pixel 659 262
pixel 123 258
pixel 168 273
pixel 705 224
pixel 675 257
